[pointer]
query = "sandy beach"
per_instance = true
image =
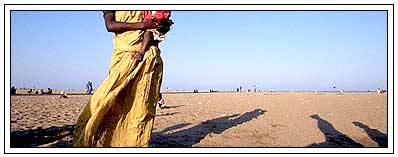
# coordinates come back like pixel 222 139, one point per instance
pixel 226 119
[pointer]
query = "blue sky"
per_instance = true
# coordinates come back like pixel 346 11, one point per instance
pixel 222 50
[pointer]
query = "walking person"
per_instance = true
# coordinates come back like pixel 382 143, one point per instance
pixel 89 87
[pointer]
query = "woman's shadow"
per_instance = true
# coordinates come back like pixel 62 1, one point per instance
pixel 377 136
pixel 193 135
pixel 333 137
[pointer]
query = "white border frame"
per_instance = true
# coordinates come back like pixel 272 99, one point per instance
pixel 7 59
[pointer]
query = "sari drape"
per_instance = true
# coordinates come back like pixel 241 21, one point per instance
pixel 121 112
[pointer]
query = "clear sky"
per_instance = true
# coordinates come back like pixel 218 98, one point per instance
pixel 221 50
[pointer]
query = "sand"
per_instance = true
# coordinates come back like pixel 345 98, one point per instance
pixel 266 119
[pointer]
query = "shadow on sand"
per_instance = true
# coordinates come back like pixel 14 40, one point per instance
pixel 377 136
pixel 193 135
pixel 52 137
pixel 333 137
pixel 168 114
pixel 62 136
pixel 170 107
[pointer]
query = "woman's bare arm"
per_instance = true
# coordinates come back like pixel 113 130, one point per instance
pixel 113 26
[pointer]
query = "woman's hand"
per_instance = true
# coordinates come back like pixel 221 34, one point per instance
pixel 113 26
pixel 150 24
pixel 138 57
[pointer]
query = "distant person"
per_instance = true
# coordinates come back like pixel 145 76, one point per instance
pixel 49 91
pixel 13 90
pixel 63 94
pixel 89 87
pixel 39 91
pixel 160 101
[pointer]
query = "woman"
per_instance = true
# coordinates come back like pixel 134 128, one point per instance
pixel 121 112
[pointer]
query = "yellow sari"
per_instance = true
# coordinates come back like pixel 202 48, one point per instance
pixel 121 112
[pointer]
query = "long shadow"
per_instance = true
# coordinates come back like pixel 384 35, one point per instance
pixel 37 137
pixel 174 127
pixel 334 138
pixel 193 135
pixel 168 114
pixel 377 136
pixel 169 107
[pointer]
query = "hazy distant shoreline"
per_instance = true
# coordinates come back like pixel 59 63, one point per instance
pixel 82 92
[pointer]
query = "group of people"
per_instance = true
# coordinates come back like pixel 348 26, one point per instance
pixel 30 91
pixel 63 94
pixel 248 90
pixel 211 90
pixel 381 91
pixel 40 91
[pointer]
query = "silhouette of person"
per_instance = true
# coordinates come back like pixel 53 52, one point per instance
pixel 333 137
pixel 49 91
pixel 13 90
pixel 193 135
pixel 377 136
pixel 89 87
pixel 160 101
pixel 63 94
